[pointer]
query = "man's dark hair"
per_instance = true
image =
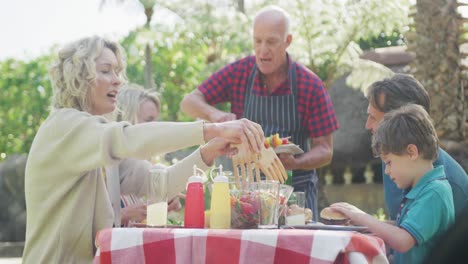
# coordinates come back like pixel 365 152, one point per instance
pixel 409 124
pixel 399 90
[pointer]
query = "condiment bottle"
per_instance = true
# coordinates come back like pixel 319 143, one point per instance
pixel 220 212
pixel 194 215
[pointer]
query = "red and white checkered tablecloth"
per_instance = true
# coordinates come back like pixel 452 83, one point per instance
pixel 167 245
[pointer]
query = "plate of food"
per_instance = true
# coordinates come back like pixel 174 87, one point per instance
pixel 282 145
pixel 332 220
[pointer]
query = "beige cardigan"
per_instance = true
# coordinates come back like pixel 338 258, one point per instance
pixel 66 197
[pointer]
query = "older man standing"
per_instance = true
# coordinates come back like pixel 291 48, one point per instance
pixel 278 93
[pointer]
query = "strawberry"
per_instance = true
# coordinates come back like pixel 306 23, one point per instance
pixel 282 199
pixel 284 141
pixel 247 209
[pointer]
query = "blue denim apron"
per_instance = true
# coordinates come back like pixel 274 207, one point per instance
pixel 279 114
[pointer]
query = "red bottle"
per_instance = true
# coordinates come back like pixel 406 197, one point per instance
pixel 194 216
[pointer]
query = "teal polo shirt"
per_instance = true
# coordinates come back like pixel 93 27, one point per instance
pixel 427 213
pixel 455 174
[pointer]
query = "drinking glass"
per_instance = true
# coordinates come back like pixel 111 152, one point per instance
pixel 296 212
pixel 284 194
pixel 245 205
pixel 156 198
pixel 269 198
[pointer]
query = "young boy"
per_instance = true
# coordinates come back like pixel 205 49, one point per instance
pixel 407 142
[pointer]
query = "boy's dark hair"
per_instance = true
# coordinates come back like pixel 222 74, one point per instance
pixel 399 90
pixel 409 124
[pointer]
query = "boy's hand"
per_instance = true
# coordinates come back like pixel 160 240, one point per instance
pixel 351 211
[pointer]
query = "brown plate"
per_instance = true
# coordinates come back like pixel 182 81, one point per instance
pixel 288 148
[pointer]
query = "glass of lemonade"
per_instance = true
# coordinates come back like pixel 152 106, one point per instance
pixel 296 211
pixel 156 198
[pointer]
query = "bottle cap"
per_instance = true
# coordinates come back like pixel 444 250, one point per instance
pixel 220 177
pixel 196 177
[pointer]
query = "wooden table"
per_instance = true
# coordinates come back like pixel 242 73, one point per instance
pixel 179 245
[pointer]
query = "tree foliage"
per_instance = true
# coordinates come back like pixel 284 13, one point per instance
pixel 25 95
pixel 327 31
pixel 191 40
pixel 382 40
pixel 188 50
pixel 440 63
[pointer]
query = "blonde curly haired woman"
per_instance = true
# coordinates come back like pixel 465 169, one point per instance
pixel 66 196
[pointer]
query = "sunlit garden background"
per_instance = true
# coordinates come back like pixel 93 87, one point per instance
pixel 348 43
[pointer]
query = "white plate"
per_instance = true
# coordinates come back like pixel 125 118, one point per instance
pixel 288 148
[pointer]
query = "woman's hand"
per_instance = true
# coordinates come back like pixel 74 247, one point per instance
pixel 174 204
pixel 243 132
pixel 220 116
pixel 135 213
pixel 215 148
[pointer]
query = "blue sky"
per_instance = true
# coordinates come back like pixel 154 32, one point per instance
pixel 29 28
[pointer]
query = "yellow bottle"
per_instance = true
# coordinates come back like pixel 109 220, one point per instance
pixel 220 212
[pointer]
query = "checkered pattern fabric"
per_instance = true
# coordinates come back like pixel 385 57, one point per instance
pixel 166 245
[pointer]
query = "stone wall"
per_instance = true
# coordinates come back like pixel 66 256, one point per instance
pixel 367 197
pixel 12 203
